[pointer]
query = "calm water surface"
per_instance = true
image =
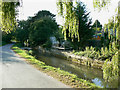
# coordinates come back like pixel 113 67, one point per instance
pixel 91 74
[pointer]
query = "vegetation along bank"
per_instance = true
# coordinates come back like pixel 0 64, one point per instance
pixel 63 76
pixel 73 56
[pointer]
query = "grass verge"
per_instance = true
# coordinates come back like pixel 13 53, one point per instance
pixel 61 75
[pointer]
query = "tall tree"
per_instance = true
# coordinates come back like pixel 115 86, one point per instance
pixel 111 71
pixel 84 25
pixel 41 27
pixel 76 18
pixel 66 10
pixel 9 12
pixel 41 30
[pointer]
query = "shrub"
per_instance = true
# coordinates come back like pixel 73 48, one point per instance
pixel 6 37
pixel 111 69
pixel 47 45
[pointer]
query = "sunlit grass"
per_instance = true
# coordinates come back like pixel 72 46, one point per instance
pixel 64 76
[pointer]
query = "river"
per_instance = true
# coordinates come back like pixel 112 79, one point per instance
pixel 91 74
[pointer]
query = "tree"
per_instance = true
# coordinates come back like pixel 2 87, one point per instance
pixel 22 32
pixel 41 30
pixel 99 4
pixel 41 27
pixel 37 29
pixel 7 37
pixel 77 25
pixel 59 36
pixel 111 70
pixel 84 25
pixel 66 10
pixel 97 25
pixel 43 13
pixel 9 12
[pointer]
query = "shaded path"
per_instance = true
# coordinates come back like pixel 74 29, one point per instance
pixel 16 73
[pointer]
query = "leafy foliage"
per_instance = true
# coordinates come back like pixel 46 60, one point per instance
pixel 111 69
pixel 22 32
pixel 97 25
pixel 41 30
pixel 6 37
pixel 37 29
pixel 77 26
pixel 9 12
pixel 71 78
pixel 101 54
pixel 99 4
pixel 43 13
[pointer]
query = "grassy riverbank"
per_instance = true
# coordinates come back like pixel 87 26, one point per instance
pixel 63 76
pixel 101 54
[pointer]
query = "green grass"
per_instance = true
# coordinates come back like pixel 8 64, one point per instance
pixel 101 54
pixel 63 76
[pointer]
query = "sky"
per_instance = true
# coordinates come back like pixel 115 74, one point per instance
pixel 31 7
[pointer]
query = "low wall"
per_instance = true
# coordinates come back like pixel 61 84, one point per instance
pixel 74 58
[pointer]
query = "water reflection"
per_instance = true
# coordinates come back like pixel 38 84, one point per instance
pixel 97 81
pixel 84 72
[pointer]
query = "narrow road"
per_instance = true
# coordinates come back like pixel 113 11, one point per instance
pixel 16 73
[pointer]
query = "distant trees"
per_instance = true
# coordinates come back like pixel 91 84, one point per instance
pixel 97 25
pixel 37 30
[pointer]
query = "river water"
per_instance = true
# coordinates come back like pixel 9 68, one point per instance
pixel 91 74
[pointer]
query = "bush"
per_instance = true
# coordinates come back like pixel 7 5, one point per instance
pixel 6 37
pixel 111 69
pixel 48 44
pixel 19 44
pixel 102 54
pixel 94 43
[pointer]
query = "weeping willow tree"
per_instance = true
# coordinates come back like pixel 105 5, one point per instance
pixel 65 9
pixel 111 67
pixel 100 4
pixel 110 70
pixel 118 36
pixel 77 24
pixel 8 15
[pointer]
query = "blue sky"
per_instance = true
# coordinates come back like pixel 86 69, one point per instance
pixel 30 7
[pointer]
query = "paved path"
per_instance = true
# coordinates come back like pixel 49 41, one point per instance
pixel 16 73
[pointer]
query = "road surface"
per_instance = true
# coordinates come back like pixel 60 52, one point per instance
pixel 16 73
